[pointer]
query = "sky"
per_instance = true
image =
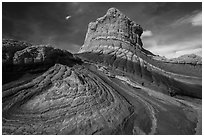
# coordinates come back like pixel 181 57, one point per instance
pixel 170 29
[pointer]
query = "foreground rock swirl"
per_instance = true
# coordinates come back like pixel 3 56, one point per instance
pixel 78 100
pixel 63 101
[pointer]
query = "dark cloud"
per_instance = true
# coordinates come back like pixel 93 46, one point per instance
pixel 46 22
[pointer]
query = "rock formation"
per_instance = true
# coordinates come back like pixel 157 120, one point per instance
pixel 119 88
pixel 188 59
pixel 114 40
pixel 69 101
pixel 113 28
pixel 21 57
pixel 10 47
pixel 40 54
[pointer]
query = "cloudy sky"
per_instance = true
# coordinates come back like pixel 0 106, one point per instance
pixel 171 29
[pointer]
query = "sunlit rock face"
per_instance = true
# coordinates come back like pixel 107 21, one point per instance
pixel 112 86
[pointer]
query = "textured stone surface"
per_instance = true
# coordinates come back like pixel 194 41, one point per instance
pixel 120 88
pixel 188 59
pixel 83 100
pixel 39 54
pixel 115 32
pixel 184 59
pixel 127 54
pixel 63 101
pixel 113 28
pixel 21 57
pixel 10 47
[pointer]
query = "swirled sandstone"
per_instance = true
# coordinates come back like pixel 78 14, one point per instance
pixel 64 101
pixel 119 88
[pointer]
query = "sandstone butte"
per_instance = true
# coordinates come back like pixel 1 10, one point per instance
pixel 112 86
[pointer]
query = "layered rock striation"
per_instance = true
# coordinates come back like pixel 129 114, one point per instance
pixel 114 40
pixel 64 100
pixel 119 88
pixel 113 29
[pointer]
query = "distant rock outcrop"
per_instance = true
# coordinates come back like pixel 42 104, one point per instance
pixel 188 59
pixel 10 47
pixel 21 57
pixel 40 54
pixel 184 59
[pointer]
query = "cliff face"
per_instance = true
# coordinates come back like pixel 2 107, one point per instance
pixel 119 88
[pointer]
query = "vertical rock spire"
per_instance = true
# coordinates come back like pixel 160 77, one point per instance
pixel 115 29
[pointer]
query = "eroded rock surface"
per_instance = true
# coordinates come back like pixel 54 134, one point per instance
pixel 64 101
pixel 191 59
pixel 113 28
pixel 188 59
pixel 10 47
pixel 119 88
pixel 85 100
pixel 40 54
pixel 20 58
pixel 114 40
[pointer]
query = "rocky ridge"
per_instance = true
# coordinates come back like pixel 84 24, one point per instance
pixel 40 54
pixel 10 47
pixel 189 59
pixel 183 59
pixel 21 57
